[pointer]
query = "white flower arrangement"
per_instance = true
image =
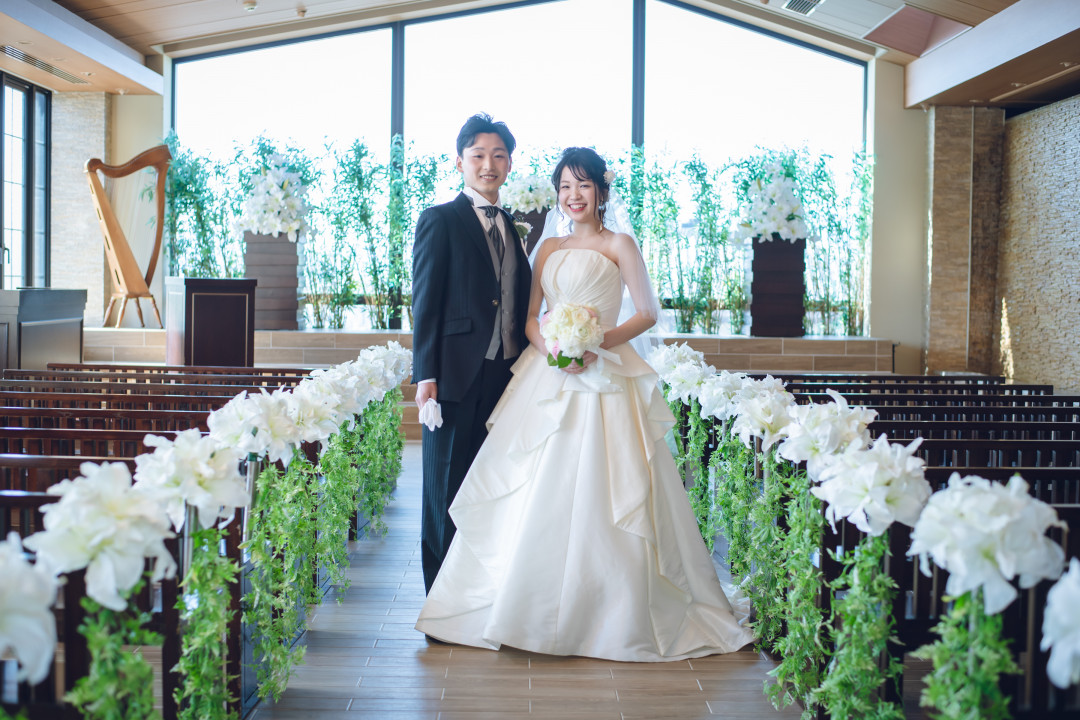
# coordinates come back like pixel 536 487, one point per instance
pixel 192 470
pixel 719 394
pixel 820 430
pixel 763 411
pixel 1061 628
pixel 874 487
pixel 985 534
pixel 570 331
pixel 276 204
pixel 104 525
pixel 27 623
pixel 665 358
pixel 528 193
pixel 774 208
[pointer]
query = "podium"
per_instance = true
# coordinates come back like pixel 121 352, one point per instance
pixel 210 321
pixel 41 325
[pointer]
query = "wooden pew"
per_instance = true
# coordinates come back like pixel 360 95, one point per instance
pixel 260 380
pixel 184 369
pixel 143 420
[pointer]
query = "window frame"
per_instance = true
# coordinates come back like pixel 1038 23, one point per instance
pixel 37 100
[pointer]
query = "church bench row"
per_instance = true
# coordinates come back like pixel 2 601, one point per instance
pixel 844 388
pixel 907 430
pixel 181 369
pixel 133 377
pixel 107 387
pixel 132 419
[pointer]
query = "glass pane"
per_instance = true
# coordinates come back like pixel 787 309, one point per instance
pixel 557 73
pixel 721 89
pixel 329 89
pixel 14 185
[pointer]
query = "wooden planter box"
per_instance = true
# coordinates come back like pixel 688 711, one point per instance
pixel 777 289
pixel 277 265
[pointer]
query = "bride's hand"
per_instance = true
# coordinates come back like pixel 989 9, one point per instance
pixel 574 369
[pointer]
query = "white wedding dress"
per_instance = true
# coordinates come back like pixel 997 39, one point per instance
pixel 574 533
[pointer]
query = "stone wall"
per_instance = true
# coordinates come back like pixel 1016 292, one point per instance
pixel 965 182
pixel 80 125
pixel 1038 286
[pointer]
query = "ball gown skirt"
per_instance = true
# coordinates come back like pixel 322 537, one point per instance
pixel 574 533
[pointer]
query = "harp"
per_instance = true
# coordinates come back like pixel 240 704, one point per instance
pixel 128 282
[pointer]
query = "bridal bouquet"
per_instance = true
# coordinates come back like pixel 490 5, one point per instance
pixel 569 332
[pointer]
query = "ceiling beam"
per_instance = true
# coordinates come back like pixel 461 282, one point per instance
pixel 65 28
pixel 1020 30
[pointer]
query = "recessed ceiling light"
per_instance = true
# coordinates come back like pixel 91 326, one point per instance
pixel 250 5
pixel 23 42
pixel 87 73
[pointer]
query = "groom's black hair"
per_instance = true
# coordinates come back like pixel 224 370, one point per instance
pixel 482 123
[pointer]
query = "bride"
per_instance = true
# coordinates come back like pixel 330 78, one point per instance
pixel 574 532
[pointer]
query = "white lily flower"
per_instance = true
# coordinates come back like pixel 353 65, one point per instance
pixel 665 358
pixel 27 623
pixel 104 525
pixel 1061 628
pixel 985 534
pixel 763 412
pixel 192 470
pixel 875 487
pixel 818 431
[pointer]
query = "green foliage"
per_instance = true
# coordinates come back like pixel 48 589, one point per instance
pixel 701 493
pixel 861 666
pixel 378 457
pixel 800 647
pixel 329 278
pixel 204 606
pixel 969 658
pixel 120 683
pixel 766 587
pixel 281 545
pixel 338 502
pixel 736 494
pixel 199 238
pixel 21 716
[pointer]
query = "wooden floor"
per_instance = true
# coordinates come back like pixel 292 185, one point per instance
pixel 365 660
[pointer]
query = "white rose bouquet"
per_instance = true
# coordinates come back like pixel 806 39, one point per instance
pixel 569 331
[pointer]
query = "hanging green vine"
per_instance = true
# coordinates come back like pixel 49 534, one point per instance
pixel 860 666
pixel 969 658
pixel 378 457
pixel 282 548
pixel 120 684
pixel 767 588
pixel 732 464
pixel 801 648
pixel 701 492
pixel 338 503
pixel 204 606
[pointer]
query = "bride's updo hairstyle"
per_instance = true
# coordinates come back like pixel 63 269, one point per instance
pixel 585 164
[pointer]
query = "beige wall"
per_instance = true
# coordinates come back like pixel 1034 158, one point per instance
pixel 1038 299
pixel 898 140
pixel 80 126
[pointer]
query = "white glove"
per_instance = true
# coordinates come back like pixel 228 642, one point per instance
pixel 431 414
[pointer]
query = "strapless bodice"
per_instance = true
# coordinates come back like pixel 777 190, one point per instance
pixel 584 277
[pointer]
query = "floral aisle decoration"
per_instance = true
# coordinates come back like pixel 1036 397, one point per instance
pixel 984 534
pixel 1061 628
pixel 276 203
pixel 872 488
pixel 293 509
pixel 195 475
pixel 27 623
pixel 103 524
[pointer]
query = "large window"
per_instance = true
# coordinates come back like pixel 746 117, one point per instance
pixel 333 89
pixel 557 73
pixel 24 120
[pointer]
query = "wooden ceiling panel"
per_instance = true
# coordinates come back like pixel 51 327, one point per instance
pixel 969 12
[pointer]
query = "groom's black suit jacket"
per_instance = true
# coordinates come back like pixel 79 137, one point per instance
pixel 456 296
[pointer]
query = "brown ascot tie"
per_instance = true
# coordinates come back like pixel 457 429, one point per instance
pixel 494 234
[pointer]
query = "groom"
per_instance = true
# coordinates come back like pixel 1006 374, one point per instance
pixel 471 283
